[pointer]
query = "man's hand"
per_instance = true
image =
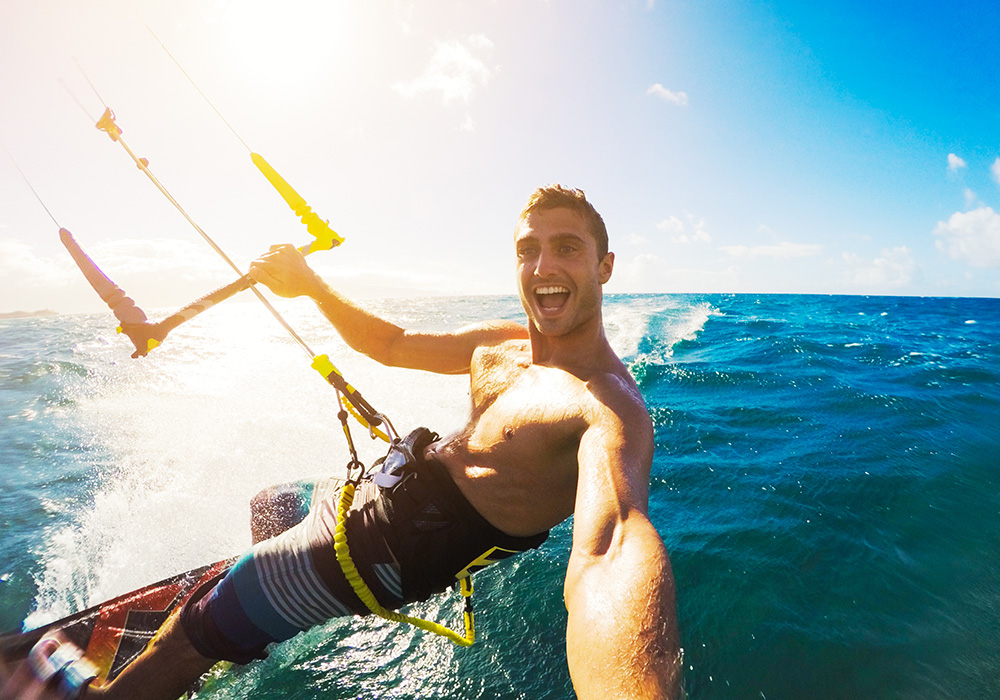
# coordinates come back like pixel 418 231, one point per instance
pixel 54 670
pixel 285 272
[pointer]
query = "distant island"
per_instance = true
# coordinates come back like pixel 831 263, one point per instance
pixel 28 314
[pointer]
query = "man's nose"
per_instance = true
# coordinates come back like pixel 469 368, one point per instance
pixel 545 264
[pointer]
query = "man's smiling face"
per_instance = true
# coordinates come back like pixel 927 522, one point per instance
pixel 558 270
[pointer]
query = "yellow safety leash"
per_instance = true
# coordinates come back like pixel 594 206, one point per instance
pixel 368 598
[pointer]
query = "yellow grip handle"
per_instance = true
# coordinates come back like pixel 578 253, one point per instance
pixel 326 237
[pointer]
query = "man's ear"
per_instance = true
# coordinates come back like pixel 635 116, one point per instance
pixel 606 267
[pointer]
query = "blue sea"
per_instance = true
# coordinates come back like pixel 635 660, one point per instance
pixel 826 479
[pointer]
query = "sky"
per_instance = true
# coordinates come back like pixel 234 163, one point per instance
pixel 845 147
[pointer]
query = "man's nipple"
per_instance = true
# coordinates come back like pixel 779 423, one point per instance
pixel 508 433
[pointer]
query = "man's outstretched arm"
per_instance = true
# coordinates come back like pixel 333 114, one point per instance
pixel 286 273
pixel 621 636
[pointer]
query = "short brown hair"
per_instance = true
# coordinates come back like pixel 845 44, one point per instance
pixel 556 196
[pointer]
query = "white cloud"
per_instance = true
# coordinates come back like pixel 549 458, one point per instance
pixel 693 230
pixel 23 268
pixel 671 225
pixel 648 273
pixel 404 13
pixel 456 69
pixel 678 98
pixel 895 268
pixel 765 230
pixel 154 272
pixel 973 236
pixel 161 257
pixel 955 163
pixel 995 169
pixel 779 251
pixel 970 198
pixel 363 280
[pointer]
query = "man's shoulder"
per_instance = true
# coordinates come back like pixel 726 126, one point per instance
pixel 617 390
pixel 509 349
pixel 496 331
pixel 495 336
pixel 618 422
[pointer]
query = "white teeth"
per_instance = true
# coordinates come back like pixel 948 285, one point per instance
pixel 552 290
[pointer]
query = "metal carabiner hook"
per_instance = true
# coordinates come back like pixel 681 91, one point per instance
pixel 389 429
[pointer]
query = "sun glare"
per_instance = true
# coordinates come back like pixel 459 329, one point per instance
pixel 286 47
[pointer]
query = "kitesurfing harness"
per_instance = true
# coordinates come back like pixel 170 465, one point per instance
pixel 401 453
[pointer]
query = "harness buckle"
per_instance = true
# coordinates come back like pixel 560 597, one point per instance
pixel 403 453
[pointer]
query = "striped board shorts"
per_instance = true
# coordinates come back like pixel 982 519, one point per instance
pixel 408 543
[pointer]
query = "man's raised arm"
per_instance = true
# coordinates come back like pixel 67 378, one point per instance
pixel 286 273
pixel 621 637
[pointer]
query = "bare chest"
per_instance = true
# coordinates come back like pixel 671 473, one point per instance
pixel 525 406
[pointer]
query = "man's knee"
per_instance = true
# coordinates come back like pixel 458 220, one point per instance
pixel 277 508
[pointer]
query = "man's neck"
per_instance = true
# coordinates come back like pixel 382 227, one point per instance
pixel 582 351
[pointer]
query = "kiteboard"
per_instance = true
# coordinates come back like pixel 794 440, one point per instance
pixel 114 633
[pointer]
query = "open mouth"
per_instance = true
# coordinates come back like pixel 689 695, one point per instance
pixel 551 298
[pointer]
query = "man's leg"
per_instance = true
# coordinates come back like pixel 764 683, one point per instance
pixel 165 671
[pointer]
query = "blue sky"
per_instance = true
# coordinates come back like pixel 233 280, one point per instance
pixel 763 147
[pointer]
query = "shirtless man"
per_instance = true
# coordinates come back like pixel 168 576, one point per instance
pixel 558 427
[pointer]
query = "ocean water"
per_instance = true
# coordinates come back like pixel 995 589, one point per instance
pixel 826 478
